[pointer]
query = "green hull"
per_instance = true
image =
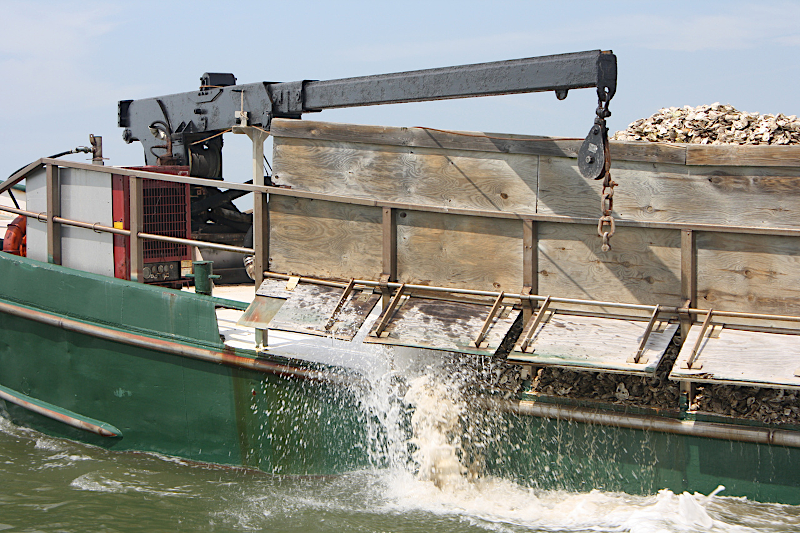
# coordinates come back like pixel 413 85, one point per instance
pixel 203 411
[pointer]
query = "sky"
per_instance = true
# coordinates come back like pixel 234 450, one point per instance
pixel 66 64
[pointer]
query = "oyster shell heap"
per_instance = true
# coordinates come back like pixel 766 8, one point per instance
pixel 713 124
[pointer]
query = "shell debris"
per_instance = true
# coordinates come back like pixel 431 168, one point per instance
pixel 713 124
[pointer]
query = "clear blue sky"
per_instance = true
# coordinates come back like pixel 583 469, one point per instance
pixel 66 64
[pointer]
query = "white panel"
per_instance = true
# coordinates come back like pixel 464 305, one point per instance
pixel 36 231
pixel 86 197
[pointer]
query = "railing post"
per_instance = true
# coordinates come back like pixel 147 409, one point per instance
pixel 389 247
pixel 260 215
pixel 530 264
pixel 53 191
pixel 688 276
pixel 137 223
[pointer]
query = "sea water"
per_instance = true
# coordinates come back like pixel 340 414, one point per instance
pixel 425 434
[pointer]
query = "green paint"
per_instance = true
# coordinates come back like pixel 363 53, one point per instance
pixel 209 412
pixel 121 304
pixel 59 410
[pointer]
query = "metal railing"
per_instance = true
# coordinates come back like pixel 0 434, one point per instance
pixel 51 217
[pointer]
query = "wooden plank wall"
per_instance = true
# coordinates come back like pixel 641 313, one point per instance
pixel 460 203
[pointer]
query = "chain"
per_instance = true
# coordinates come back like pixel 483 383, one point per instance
pixel 607 194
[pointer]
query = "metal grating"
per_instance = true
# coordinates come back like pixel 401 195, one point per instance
pixel 166 212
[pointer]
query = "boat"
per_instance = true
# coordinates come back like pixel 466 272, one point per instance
pixel 492 253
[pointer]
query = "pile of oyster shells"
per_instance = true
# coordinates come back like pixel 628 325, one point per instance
pixel 657 392
pixel 771 406
pixel 713 124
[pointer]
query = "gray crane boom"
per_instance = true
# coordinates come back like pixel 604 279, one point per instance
pixel 181 129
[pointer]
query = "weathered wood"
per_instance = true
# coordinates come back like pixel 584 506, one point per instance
pixel 643 265
pixel 440 325
pixel 751 273
pixel 530 255
pixel 595 343
pixel 744 155
pixel 309 308
pixel 389 256
pixel 459 251
pixel 761 197
pixel 469 140
pixel 325 239
pixel 425 176
pixel 689 267
pixel 741 358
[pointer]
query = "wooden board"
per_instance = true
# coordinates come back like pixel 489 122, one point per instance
pixel 424 176
pixel 441 325
pixel 739 357
pixel 459 251
pixel 597 344
pixel 749 196
pixel 325 239
pixel 751 273
pixel 470 140
pixel 643 265
pixel 308 308
pixel 735 155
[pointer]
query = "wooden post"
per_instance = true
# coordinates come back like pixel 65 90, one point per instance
pixel 530 264
pixel 137 224
pixel 688 276
pixel 53 191
pixel 260 216
pixel 389 248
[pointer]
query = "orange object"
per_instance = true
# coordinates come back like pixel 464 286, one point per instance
pixel 15 240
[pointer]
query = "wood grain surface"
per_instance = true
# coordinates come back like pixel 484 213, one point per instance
pixel 595 343
pixel 325 239
pixel 459 251
pixel 751 273
pixel 643 265
pixel 425 176
pixel 742 358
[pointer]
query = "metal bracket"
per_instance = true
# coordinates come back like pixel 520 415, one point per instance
pixel 287 98
pixel 388 312
pixel 638 359
pixel 527 334
pixel 478 342
pixel 340 304
pixel 689 365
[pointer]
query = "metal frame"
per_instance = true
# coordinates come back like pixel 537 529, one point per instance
pixel 214 110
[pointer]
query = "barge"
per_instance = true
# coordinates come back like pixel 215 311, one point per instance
pixel 373 244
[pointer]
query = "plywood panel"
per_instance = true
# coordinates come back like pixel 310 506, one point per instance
pixel 459 251
pixel 767 156
pixel 643 265
pixel 471 140
pixel 440 325
pixel 425 176
pixel 324 239
pixel 741 358
pixel 595 343
pixel 309 307
pixel 747 196
pixel 754 273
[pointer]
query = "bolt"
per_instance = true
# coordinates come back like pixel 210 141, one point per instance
pixel 589 160
pixel 596 130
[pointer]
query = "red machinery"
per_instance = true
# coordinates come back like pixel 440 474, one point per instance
pixel 167 212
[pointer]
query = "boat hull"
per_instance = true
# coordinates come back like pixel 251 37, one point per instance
pixel 283 417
